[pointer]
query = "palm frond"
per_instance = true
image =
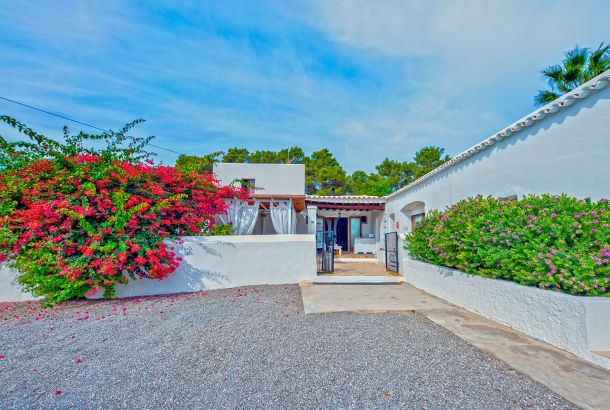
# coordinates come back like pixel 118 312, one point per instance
pixel 544 97
pixel 577 57
pixel 553 74
pixel 599 61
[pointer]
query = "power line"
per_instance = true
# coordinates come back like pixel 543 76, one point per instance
pixel 76 121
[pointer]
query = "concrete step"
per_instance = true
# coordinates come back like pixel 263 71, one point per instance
pixel 357 280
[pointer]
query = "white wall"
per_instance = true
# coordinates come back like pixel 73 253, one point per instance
pixel 217 262
pixel 10 290
pixel 577 324
pixel 566 152
pixel 273 179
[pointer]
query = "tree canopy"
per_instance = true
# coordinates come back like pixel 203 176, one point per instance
pixel 578 66
pixel 324 175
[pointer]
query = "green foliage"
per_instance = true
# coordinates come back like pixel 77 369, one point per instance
pixel 398 174
pixel 578 66
pixel 361 183
pixel 221 230
pixel 199 165
pixel 553 242
pixel 117 145
pixel 428 158
pixel 323 174
pixel 292 155
pixel 237 155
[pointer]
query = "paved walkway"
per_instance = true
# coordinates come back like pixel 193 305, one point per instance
pixel 585 385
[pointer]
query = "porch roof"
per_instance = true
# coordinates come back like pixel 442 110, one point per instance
pixel 347 202
pixel 298 201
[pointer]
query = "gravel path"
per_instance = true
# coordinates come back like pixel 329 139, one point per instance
pixel 244 348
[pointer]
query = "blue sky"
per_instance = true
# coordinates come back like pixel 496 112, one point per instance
pixel 367 80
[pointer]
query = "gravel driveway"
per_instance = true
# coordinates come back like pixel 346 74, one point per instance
pixel 244 348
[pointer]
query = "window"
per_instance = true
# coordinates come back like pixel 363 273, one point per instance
pixel 417 220
pixel 249 185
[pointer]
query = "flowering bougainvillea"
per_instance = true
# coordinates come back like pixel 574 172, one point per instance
pixel 88 211
pixel 553 242
pixel 80 224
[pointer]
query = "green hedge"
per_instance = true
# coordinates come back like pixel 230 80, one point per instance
pixel 554 242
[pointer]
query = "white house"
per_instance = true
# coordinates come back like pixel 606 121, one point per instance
pixel 278 205
pixel 277 193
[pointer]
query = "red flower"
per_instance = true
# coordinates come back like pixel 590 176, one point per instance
pixel 63 209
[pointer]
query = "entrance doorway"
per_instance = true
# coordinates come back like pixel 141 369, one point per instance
pixel 343 234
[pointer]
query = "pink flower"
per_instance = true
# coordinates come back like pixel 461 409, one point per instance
pixel 57 392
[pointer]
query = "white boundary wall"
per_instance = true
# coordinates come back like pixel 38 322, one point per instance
pixel 577 324
pixel 216 262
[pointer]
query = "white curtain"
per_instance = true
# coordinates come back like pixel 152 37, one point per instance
pixel 241 215
pixel 283 216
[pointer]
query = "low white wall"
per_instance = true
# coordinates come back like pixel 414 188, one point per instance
pixel 10 290
pixel 577 324
pixel 215 262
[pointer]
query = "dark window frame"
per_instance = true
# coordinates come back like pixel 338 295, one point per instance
pixel 414 222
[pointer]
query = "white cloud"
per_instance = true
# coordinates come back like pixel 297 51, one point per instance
pixel 483 61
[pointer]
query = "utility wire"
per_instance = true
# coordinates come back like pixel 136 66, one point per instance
pixel 76 121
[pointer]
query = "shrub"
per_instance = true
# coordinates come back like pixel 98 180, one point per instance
pixel 81 225
pixel 74 220
pixel 553 242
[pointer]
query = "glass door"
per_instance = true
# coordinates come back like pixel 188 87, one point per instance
pixel 355 230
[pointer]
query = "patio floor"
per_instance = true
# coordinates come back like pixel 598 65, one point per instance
pixel 364 268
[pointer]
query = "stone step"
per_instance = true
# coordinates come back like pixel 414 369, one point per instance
pixel 357 280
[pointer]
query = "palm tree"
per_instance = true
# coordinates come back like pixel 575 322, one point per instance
pixel 577 67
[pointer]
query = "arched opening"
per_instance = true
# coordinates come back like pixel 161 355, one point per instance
pixel 414 213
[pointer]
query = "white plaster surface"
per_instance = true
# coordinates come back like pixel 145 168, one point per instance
pixel 272 179
pixel 217 262
pixel 576 324
pixel 10 290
